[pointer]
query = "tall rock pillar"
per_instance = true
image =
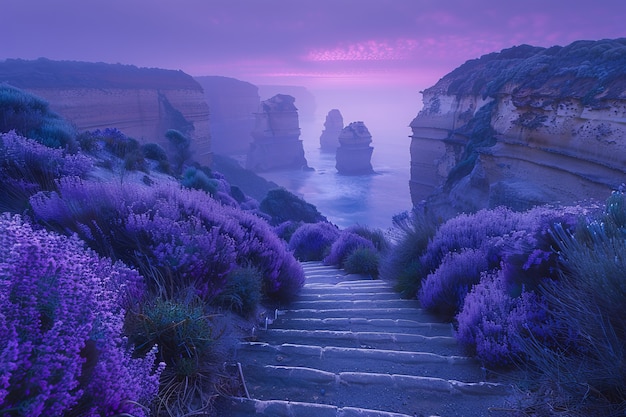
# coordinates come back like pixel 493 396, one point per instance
pixel 276 143
pixel 329 140
pixel 354 153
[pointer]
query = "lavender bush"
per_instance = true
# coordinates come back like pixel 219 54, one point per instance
pixel 443 291
pixel 586 303
pixel 62 311
pixel 26 167
pixel 178 237
pixel 492 322
pixel 312 241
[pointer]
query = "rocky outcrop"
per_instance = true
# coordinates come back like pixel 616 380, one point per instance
pixel 305 98
pixel 276 135
pixel 141 102
pixel 232 104
pixel 354 153
pixel 522 127
pixel 333 125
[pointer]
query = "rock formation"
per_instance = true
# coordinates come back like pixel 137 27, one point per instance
pixel 333 125
pixel 143 103
pixel 232 104
pixel 305 98
pixel 354 153
pixel 276 135
pixel 522 127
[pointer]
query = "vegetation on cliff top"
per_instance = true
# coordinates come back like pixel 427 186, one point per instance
pixel 46 73
pixel 587 70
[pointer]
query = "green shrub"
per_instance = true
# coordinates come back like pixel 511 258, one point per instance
pixel 376 236
pixel 409 239
pixel 154 152
pixel 30 116
pixel 242 293
pixel 363 261
pixel 198 180
pixel 181 147
pixel 188 341
pixel 282 205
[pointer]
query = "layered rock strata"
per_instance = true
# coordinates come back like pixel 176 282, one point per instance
pixel 276 135
pixel 354 154
pixel 333 125
pixel 143 103
pixel 232 104
pixel 522 127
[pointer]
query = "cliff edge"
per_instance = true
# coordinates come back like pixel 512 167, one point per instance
pixel 522 127
pixel 141 102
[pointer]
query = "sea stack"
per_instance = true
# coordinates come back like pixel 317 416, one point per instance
pixel 354 153
pixel 276 136
pixel 329 140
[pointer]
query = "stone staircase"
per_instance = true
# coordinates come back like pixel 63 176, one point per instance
pixel 349 347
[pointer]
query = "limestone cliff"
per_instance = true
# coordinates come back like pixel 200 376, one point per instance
pixel 276 134
pixel 354 153
pixel 232 104
pixel 524 126
pixel 141 102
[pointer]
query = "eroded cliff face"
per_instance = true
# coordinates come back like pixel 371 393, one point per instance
pixel 141 102
pixel 232 104
pixel 522 127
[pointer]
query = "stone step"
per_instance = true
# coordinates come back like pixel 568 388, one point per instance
pixel 446 345
pixel 343 359
pixel 351 303
pixel 356 324
pixel 405 313
pixel 357 283
pixel 244 407
pixel 376 295
pixel 321 289
pixel 397 393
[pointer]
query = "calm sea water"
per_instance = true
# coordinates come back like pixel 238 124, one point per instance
pixel 370 200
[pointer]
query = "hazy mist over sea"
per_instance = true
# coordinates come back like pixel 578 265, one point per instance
pixel 364 199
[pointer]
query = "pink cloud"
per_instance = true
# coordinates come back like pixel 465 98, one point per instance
pixel 371 50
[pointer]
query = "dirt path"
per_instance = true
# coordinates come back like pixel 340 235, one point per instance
pixel 351 347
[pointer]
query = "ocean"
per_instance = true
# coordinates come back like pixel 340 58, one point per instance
pixel 370 200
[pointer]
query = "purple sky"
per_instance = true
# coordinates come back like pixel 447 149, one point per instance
pixel 328 45
pixel 326 41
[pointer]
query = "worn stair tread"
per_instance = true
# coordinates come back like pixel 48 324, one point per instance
pixel 243 407
pixel 376 295
pixel 371 339
pixel 297 376
pixel 342 359
pixel 353 303
pixel 351 312
pixel 425 327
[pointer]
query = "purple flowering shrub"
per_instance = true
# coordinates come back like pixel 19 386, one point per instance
pixel 312 241
pixel 178 237
pixel 26 167
pixel 491 322
pixel 587 303
pixel 444 290
pixel 344 245
pixel 61 317
pixel 519 243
